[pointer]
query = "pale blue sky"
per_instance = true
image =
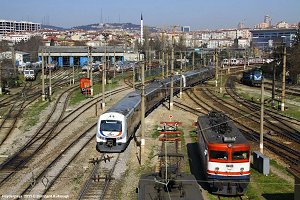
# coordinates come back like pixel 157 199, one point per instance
pixel 199 14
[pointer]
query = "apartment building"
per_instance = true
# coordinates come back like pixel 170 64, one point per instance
pixel 7 26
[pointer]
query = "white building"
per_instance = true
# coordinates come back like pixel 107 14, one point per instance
pixel 21 57
pixel 7 26
pixel 15 38
pixel 282 24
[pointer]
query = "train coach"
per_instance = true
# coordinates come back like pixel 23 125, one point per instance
pixel 224 153
pixel 29 74
pixel 117 126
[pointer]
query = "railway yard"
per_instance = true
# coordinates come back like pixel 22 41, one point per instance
pixel 48 148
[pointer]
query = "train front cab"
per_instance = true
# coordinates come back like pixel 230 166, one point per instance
pixel 257 77
pixel 228 168
pixel 111 135
pixel 85 85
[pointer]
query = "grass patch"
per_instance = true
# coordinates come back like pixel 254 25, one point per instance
pixel 271 185
pixel 32 116
pixel 266 187
pixel 280 168
pixel 292 111
pixel 147 167
pixel 77 97
pixel 193 135
pixel 155 132
pixel 77 181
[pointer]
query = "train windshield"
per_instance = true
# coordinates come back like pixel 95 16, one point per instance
pixel 219 155
pixel 111 125
pixel 240 155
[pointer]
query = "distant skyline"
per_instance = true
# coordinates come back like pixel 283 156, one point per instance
pixel 198 14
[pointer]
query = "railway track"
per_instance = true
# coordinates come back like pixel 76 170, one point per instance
pixel 290 90
pixel 236 96
pixel 32 88
pixel 29 94
pixel 75 114
pixel 252 127
pixel 37 141
pixel 251 133
pixel 98 185
pixel 286 126
pixel 45 179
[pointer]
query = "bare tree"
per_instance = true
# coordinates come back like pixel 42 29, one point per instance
pixel 31 46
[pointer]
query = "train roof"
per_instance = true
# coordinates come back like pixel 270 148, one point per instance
pixel 126 104
pixel 217 128
pixel 130 101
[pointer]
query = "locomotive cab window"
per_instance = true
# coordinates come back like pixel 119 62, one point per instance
pixel 240 155
pixel 111 125
pixel 219 155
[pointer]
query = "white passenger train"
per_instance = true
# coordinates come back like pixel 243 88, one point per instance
pixel 117 126
pixel 29 74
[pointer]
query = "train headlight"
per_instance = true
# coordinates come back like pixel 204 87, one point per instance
pixel 242 169
pixel 216 170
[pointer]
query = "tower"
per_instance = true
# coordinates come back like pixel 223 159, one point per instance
pixel 268 21
pixel 142 30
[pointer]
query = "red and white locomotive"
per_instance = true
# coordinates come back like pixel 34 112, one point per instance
pixel 225 154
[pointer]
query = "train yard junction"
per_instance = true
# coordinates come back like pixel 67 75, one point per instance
pixel 52 152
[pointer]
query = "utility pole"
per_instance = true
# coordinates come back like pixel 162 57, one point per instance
pixel 283 79
pixel 194 60
pixel 172 77
pixel 193 53
pixel 216 67
pixel 185 61
pixel 13 58
pixel 245 60
pixel 0 78
pixel 73 73
pixel 103 77
pixel 204 60
pixel 167 65
pixel 115 60
pixel 273 84
pixel 103 86
pixel 143 127
pixel 261 138
pixel 90 69
pixel 49 68
pixel 88 62
pixel 133 77
pixel 180 93
pixel 91 81
pixel 106 63
pixel 163 64
pixel 43 76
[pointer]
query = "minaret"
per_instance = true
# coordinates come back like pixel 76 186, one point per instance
pixel 142 30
